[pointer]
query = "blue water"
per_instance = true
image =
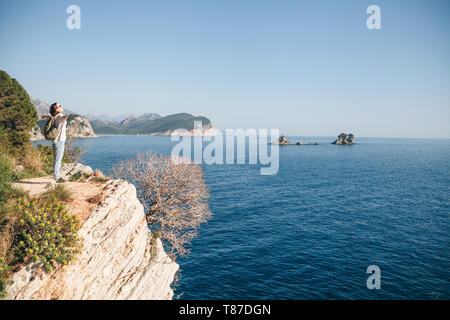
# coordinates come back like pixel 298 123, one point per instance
pixel 311 231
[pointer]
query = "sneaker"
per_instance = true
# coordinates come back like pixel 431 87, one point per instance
pixel 61 180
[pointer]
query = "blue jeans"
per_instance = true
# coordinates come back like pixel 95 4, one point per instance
pixel 58 152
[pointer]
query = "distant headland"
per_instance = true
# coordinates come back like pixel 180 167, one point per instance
pixel 153 124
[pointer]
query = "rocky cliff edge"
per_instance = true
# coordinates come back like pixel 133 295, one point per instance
pixel 118 259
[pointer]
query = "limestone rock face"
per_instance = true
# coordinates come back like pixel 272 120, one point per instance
pixel 79 127
pixel 69 169
pixel 344 139
pixel 117 259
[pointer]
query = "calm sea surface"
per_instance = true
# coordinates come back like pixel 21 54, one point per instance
pixel 311 231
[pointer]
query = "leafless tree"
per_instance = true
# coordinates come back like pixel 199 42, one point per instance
pixel 173 193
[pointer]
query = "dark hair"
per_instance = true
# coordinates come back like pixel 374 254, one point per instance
pixel 53 109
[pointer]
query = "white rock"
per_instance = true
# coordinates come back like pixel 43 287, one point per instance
pixel 79 127
pixel 69 169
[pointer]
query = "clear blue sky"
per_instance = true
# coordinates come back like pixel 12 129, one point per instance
pixel 305 67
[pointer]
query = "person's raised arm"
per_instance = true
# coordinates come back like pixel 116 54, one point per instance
pixel 45 116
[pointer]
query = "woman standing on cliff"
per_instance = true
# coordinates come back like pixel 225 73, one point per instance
pixel 56 111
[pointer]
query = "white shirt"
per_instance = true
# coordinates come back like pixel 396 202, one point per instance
pixel 60 124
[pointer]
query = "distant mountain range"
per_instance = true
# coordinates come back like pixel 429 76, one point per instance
pixel 148 123
pixel 44 108
pixel 119 118
pixel 152 124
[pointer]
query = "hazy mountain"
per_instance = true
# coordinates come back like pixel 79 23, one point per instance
pixel 107 117
pixel 150 123
pixel 145 116
pixel 44 107
pixel 149 116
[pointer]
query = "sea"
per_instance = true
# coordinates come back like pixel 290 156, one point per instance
pixel 316 228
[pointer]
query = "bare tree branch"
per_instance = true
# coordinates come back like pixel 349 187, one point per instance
pixel 174 196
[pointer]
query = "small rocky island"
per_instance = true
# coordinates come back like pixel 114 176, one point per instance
pixel 283 141
pixel 344 139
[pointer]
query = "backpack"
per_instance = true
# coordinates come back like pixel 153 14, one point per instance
pixel 50 131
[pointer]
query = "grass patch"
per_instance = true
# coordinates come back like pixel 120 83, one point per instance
pixel 31 160
pixel 100 179
pixel 58 193
pixel 81 177
pixel 86 175
pixel 75 177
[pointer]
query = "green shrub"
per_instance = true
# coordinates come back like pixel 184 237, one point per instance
pixel 86 175
pixel 75 177
pixel 82 177
pixel 6 176
pixel 47 233
pixel 17 114
pixel 101 179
